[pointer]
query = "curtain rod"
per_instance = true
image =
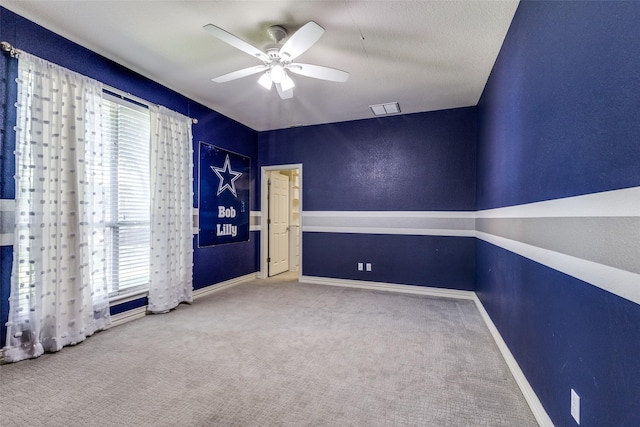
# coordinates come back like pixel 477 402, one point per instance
pixel 14 53
pixel 8 48
pixel 127 96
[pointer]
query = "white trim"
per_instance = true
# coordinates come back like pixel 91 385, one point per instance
pixel 132 296
pixel 140 312
pixel 602 205
pixel 625 202
pixel 258 226
pixel 417 223
pixel 199 293
pixel 195 214
pixel 623 283
pixel 393 214
pixel 390 287
pixel 530 396
pixel 7 204
pixel 264 205
pixel 6 239
pixel 389 230
pixel 127 316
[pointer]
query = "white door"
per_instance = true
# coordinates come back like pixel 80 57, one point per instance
pixel 279 223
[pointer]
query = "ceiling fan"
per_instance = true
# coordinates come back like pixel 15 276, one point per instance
pixel 277 59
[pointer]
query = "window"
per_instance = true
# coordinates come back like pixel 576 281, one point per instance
pixel 126 133
pixel 83 208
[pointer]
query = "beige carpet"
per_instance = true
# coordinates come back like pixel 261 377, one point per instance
pixel 277 353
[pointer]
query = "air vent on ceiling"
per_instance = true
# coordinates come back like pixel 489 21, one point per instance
pixel 384 109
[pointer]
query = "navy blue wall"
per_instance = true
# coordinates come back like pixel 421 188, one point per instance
pixel 560 112
pixel 8 73
pixel 559 117
pixel 211 265
pixel 437 261
pixel 415 162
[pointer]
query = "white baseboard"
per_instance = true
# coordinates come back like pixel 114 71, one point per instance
pixel 140 312
pixel 198 293
pixel 128 316
pixel 530 396
pixel 390 287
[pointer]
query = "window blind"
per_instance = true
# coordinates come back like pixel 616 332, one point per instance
pixel 126 133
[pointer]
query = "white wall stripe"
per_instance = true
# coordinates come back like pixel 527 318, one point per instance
pixel 6 239
pixel 600 207
pixel 255 221
pixel 7 221
pixel 609 240
pixel 398 231
pixel 391 214
pixel 616 203
pixel 427 223
pixel 620 282
pixel 625 202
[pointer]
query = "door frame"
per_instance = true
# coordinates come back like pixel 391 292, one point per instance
pixel 264 215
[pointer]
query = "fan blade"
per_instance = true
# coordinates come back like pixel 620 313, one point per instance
pixel 236 42
pixel 319 72
pixel 284 94
pixel 301 40
pixel 240 73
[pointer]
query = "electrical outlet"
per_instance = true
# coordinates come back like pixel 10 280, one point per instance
pixel 575 406
pixel 368 266
pixel 360 266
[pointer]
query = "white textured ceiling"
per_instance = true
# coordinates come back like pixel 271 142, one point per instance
pixel 427 55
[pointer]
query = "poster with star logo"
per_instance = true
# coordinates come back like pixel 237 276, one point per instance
pixel 224 196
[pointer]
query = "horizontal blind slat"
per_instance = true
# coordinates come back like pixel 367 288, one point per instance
pixel 126 131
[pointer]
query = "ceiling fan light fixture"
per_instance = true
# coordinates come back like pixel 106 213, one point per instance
pixel 277 73
pixel 277 58
pixel 287 83
pixel 265 81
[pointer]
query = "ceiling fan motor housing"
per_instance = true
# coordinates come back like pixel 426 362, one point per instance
pixel 273 52
pixel 277 33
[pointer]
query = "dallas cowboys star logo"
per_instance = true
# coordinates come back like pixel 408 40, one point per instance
pixel 227 177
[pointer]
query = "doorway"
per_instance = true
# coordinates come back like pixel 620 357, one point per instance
pixel 281 215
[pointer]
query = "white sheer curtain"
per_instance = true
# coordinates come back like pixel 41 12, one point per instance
pixel 171 212
pixel 58 288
